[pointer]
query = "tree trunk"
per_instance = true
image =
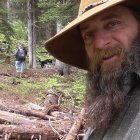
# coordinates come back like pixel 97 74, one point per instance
pixel 8 9
pixel 61 67
pixel 34 35
pixel 31 33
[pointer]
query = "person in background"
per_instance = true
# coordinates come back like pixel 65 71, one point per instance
pixel 20 63
pixel 105 40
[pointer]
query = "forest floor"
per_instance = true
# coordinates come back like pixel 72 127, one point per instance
pixel 28 96
pixel 9 77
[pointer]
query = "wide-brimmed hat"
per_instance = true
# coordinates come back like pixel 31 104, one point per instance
pixel 68 46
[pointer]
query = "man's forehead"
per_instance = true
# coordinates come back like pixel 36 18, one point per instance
pixel 113 12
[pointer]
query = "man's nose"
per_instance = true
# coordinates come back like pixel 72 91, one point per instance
pixel 102 39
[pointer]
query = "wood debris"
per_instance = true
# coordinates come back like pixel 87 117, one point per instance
pixel 30 122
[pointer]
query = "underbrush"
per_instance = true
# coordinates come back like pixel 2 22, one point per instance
pixel 71 88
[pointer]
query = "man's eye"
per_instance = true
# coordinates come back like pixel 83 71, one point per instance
pixel 113 23
pixel 88 35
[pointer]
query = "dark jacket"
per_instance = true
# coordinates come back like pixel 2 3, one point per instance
pixel 21 58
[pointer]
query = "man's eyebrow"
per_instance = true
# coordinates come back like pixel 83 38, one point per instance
pixel 105 17
pixel 109 16
pixel 83 28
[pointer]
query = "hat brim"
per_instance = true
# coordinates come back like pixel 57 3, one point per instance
pixel 68 46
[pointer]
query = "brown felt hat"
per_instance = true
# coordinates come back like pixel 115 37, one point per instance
pixel 67 45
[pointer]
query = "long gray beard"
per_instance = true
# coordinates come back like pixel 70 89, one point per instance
pixel 106 96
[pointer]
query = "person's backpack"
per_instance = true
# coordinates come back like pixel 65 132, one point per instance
pixel 21 54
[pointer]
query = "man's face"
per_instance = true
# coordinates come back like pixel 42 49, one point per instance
pixel 112 44
pixel 107 36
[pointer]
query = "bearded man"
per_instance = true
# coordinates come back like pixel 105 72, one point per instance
pixel 105 40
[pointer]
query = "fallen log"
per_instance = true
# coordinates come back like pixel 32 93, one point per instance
pixel 18 117
pixel 25 111
pixel 28 132
pixel 13 118
pixel 76 127
pixel 20 120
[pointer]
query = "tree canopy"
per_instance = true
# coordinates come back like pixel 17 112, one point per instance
pixel 6 30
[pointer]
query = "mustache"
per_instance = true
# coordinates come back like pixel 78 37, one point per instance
pixel 107 53
pixel 100 55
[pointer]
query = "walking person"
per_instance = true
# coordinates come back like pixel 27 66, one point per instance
pixel 20 63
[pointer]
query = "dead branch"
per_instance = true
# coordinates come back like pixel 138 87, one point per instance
pixel 76 127
pixel 60 136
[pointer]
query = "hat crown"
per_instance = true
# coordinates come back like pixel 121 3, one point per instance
pixel 85 5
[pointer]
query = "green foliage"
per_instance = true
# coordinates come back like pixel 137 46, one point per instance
pixel 6 30
pixel 78 86
pixel 56 10
pixel 20 30
pixel 73 87
pixel 55 81
pixel 4 86
pixel 20 34
pixel 2 37
pixel 18 10
pixel 42 54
